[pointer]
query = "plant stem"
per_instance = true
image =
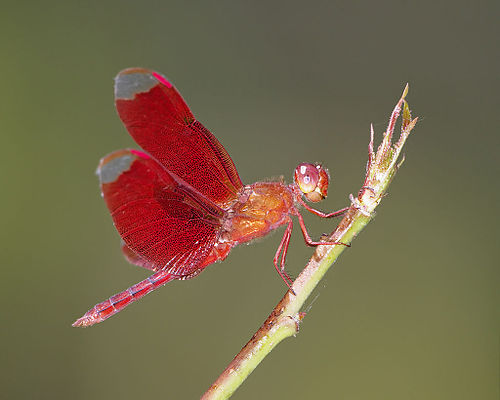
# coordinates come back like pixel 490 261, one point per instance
pixel 285 318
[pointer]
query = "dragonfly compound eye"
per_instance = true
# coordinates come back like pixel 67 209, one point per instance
pixel 312 180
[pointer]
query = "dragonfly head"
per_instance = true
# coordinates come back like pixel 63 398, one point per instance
pixel 312 180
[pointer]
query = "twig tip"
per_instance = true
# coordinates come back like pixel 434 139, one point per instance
pixel 405 91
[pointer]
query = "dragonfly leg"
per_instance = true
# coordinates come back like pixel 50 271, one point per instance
pixel 321 214
pixel 308 239
pixel 280 256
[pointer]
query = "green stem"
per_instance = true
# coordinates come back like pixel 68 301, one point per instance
pixel 285 318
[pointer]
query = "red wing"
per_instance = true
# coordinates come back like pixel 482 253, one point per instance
pixel 161 123
pixel 162 222
pixel 136 259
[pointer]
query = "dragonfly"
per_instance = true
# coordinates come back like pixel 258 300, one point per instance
pixel 179 204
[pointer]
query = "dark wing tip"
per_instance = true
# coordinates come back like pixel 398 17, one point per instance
pixel 131 81
pixel 113 165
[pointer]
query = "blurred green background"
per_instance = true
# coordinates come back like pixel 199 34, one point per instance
pixel 411 311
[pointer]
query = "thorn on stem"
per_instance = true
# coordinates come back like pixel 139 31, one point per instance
pixel 401 162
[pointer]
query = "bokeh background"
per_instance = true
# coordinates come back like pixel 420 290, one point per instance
pixel 411 311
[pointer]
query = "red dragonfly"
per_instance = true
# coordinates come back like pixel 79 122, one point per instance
pixel 180 205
